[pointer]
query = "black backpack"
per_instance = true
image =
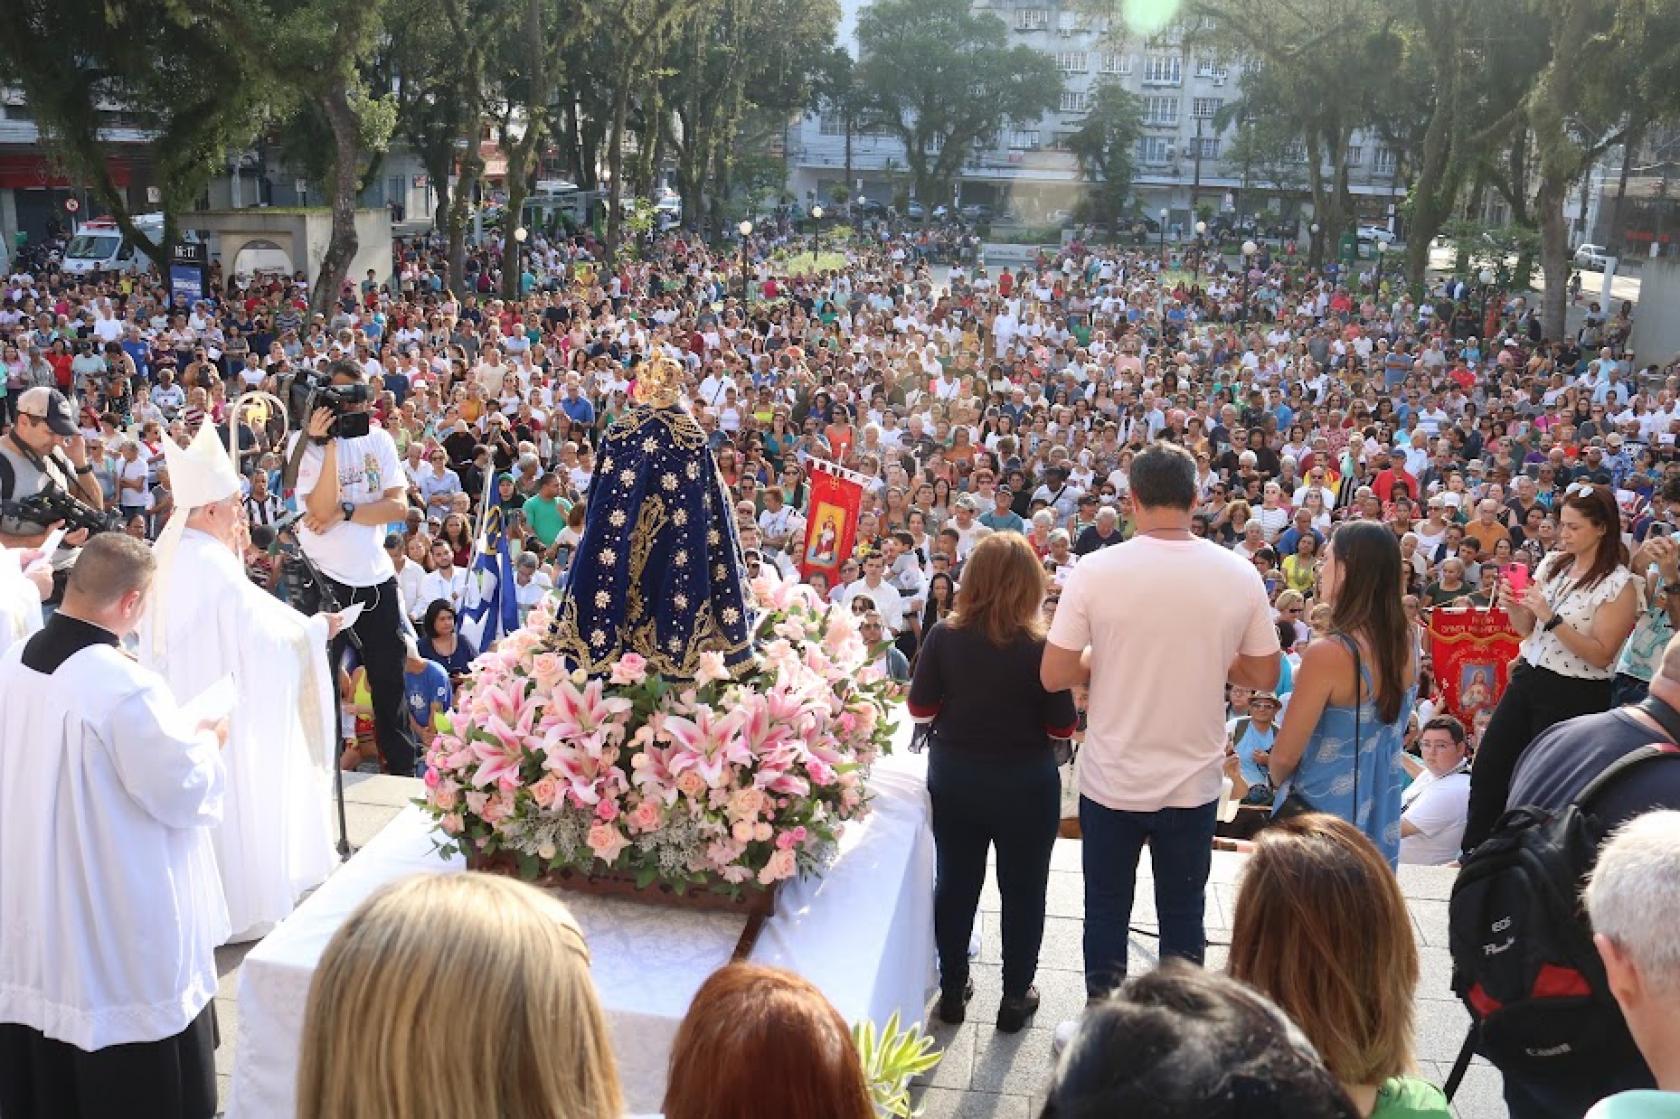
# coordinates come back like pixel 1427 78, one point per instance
pixel 1522 949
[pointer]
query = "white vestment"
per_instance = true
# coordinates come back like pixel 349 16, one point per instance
pixel 109 908
pixel 275 841
pixel 20 601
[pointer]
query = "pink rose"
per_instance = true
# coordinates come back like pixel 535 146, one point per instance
pixel 712 668
pixel 607 842
pixel 433 777
pixel 606 810
pixel 645 816
pixel 745 804
pixel 476 802
pixel 546 791
pixel 446 798
pixel 761 831
pixel 548 668
pixel 630 669
pixel 742 831
pixel 691 784
pixel 781 865
pixel 452 824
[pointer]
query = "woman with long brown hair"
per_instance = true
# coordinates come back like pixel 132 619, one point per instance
pixel 759 1041
pixel 992 774
pixel 1321 929
pixel 1343 735
pixel 1573 618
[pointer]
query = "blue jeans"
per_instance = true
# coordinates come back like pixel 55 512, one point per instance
pixel 1180 852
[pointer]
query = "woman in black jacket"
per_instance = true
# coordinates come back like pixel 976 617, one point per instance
pixel 992 773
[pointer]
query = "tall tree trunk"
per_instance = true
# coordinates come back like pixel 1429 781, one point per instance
pixel 524 155
pixel 615 167
pixel 1630 148
pixel 342 245
pixel 1554 253
pixel 460 211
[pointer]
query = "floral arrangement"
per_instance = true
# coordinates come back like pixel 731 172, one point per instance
pixel 719 783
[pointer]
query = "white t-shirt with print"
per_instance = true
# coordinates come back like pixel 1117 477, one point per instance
pixel 368 465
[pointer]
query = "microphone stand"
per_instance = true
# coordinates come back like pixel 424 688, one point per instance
pixel 329 600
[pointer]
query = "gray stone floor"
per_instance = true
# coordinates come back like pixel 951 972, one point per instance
pixel 988 1075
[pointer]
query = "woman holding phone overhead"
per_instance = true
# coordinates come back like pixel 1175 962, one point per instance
pixel 1573 618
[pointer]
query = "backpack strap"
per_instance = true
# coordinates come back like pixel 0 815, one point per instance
pixel 8 479
pixel 1621 765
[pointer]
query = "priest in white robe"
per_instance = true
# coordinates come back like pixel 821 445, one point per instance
pixel 207 621
pixel 110 911
pixel 21 595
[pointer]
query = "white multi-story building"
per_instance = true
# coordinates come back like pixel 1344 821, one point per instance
pixel 1181 161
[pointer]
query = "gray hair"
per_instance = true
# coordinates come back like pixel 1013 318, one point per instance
pixel 1633 897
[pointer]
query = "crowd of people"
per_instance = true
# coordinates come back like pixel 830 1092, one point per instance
pixel 1359 456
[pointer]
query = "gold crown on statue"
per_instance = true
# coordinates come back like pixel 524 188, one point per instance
pixel 659 383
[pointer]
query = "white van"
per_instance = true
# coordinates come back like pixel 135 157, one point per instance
pixel 99 246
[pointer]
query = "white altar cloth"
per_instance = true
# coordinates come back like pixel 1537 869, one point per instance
pixel 863 933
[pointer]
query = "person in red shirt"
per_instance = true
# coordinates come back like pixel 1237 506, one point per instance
pixel 1006 283
pixel 1389 474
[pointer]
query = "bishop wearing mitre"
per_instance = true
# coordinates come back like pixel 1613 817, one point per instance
pixel 207 621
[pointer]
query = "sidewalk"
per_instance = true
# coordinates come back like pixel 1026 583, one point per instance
pixel 988 1075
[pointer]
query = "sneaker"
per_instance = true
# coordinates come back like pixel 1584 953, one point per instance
pixel 1063 1037
pixel 974 940
pixel 953 1005
pixel 1014 1013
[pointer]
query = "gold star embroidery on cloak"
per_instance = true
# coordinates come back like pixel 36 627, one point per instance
pixel 668 480
pixel 713 537
pixel 602 598
pixel 598 637
pixel 681 557
pixel 680 601
pixel 626 476
pixel 680 517
pixel 720 572
pixel 617 518
pixel 650 445
pixel 608 556
pixel 731 615
pixel 606 464
pixel 693 471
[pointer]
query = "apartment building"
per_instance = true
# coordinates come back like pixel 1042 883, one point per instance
pixel 1182 160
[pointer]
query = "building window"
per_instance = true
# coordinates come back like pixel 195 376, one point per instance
pixel 1075 102
pixel 1386 161
pixel 1295 151
pixel 1352 156
pixel 1061 141
pixel 1211 68
pixel 1152 151
pixel 1163 69
pixel 1023 139
pixel 1116 63
pixel 1073 62
pixel 1209 147
pixel 833 124
pixel 1160 110
pixel 1032 19
pixel 1203 108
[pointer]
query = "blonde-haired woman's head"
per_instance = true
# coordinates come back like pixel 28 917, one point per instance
pixel 1002 590
pixel 451 995
pixel 1321 929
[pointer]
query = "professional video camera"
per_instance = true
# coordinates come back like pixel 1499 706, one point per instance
pixel 310 390
pixel 52 505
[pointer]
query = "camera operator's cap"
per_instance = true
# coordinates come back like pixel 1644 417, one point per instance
pixel 50 405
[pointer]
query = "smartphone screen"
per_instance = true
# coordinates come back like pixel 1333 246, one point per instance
pixel 1515 576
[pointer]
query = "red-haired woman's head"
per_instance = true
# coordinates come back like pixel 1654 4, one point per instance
pixel 757 1042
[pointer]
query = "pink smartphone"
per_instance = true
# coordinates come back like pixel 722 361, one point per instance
pixel 1515 576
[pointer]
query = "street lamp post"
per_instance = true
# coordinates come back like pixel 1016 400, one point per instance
pixel 519 236
pixel 816 232
pixel 1487 279
pixel 1164 213
pixel 1201 231
pixel 745 229
pixel 1249 248
pixel 1382 250
pixel 1312 248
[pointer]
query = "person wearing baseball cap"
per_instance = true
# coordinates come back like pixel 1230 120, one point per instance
pixel 44 452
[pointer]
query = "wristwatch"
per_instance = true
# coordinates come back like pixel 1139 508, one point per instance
pixel 85 469
pixel 1556 621
pixel 1670 588
pixel 348 509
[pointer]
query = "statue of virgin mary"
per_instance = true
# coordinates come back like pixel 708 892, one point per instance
pixel 658 569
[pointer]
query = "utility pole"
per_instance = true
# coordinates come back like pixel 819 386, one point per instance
pixel 1196 186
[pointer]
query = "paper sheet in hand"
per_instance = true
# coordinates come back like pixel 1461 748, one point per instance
pixel 350 613
pixel 213 703
pixel 49 549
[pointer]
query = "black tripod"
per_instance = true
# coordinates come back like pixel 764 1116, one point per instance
pixel 328 600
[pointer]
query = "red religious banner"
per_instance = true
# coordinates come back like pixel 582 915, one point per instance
pixel 831 519
pixel 1472 651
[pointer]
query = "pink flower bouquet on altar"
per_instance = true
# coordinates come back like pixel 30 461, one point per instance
pixel 718 783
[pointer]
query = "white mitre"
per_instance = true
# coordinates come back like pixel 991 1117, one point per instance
pixel 200 474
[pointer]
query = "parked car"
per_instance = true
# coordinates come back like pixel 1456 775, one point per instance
pixel 1592 257
pixel 1376 233
pixel 914 210
pixel 976 212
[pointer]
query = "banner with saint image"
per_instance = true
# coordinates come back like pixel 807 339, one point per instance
pixel 1472 651
pixel 830 521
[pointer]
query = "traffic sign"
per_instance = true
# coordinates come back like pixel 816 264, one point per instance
pixel 72 205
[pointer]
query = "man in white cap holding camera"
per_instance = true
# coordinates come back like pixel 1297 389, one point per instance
pixel 207 621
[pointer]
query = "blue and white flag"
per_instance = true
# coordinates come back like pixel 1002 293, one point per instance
pixel 492 607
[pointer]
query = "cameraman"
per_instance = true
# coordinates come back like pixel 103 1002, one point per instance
pixel 352 488
pixel 33 461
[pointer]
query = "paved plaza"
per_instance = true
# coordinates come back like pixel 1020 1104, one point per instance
pixel 990 1075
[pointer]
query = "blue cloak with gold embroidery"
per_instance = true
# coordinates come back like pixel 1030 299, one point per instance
pixel 658 569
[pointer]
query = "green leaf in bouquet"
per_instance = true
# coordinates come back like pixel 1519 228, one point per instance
pixel 891 1058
